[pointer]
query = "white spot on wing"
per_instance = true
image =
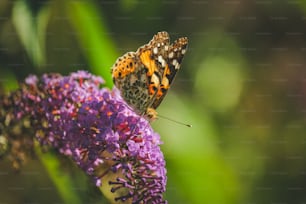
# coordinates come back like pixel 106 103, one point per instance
pixel 155 50
pixel 171 55
pixel 155 80
pixel 161 60
pixel 175 64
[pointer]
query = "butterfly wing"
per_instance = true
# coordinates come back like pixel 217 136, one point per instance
pixel 153 57
pixel 172 60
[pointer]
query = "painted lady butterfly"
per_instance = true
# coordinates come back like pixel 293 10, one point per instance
pixel 144 77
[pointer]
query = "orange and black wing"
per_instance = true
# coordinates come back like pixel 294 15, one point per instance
pixel 172 59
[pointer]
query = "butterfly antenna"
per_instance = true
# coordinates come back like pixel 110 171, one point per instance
pixel 175 121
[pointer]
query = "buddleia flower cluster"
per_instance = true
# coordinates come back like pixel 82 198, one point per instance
pixel 90 124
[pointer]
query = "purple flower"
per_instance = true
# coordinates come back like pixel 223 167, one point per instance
pixel 97 129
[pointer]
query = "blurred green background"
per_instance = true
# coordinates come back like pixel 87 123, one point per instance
pixel 242 86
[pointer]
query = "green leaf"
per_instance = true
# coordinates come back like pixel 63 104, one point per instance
pixel 31 30
pixel 64 183
pixel 94 37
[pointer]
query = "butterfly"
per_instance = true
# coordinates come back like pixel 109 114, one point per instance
pixel 144 77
